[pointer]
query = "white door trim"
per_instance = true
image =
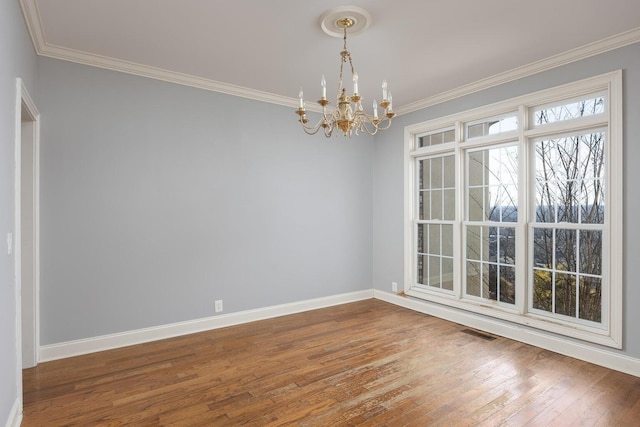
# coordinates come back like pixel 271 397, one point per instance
pixel 27 111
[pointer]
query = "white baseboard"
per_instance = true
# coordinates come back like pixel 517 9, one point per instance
pixel 108 342
pixel 15 416
pixel 577 350
pixel 560 345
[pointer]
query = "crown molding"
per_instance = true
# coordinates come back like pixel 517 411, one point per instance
pixel 164 75
pixel 577 54
pixel 42 48
pixel 34 26
pixel 34 23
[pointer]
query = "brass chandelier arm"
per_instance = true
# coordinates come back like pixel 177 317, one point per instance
pixel 371 125
pixel 324 122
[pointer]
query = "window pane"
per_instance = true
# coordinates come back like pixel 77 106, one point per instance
pixel 434 271
pixel 436 173
pixel 447 273
pixel 495 203
pixel 423 238
pixel 434 239
pixel 474 273
pixel 449 205
pixel 507 284
pixel 569 186
pixel 543 247
pixel 474 235
pixel 591 151
pixel 507 245
pixel 436 138
pixel 479 245
pixel 477 130
pixel 542 289
pixel 490 282
pixel 475 203
pixel 448 135
pixel 421 267
pixel 571 110
pixel 423 174
pixel 475 168
pixel 492 126
pixel 592 206
pixel 447 240
pixel 488 243
pixel 492 193
pixel 590 299
pixel 510 205
pixel 565 300
pixel 566 248
pixel 436 204
pixel 449 171
pixel 591 252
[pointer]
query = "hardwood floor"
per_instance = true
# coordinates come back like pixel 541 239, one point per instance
pixel 368 363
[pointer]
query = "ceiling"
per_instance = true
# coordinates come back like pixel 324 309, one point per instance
pixel 267 49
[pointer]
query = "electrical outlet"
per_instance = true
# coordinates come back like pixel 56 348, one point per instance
pixel 394 286
pixel 218 306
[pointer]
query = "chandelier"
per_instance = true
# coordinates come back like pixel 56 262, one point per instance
pixel 349 116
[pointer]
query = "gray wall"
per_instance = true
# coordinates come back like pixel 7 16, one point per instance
pixel 17 59
pixel 157 199
pixel 389 163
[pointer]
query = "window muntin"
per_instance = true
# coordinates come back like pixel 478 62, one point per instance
pixel 578 287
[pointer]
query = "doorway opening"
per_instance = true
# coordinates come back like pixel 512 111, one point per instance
pixel 26 227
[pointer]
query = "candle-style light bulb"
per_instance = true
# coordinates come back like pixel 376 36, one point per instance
pixel 301 96
pixel 390 101
pixel 384 90
pixel 355 83
pixel 375 109
pixel 323 83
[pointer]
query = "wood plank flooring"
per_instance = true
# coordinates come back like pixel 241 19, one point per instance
pixel 367 363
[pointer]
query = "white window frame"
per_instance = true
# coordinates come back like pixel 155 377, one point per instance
pixel 609 331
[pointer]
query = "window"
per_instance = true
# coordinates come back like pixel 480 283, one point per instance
pixel 514 210
pixel 436 214
pixel 492 210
